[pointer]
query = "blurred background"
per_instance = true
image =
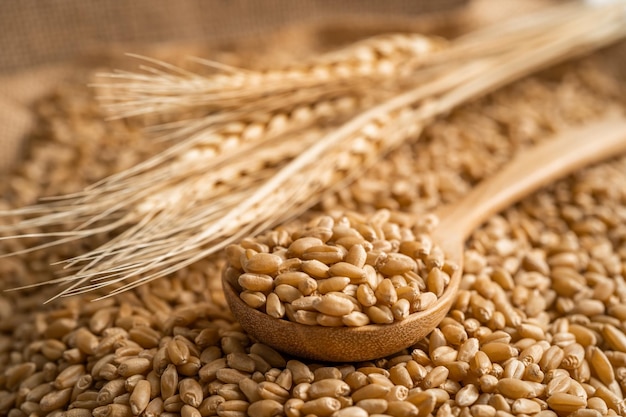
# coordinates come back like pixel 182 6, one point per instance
pixel 46 41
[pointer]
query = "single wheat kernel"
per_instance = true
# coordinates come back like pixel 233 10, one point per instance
pixel 329 321
pixel 380 314
pixel 586 412
pixel 78 412
pixel 145 336
pixel 373 405
pixel 297 279
pixel 565 403
pixel 230 392
pixel 254 299
pixel 37 393
pixel 480 364
pixel 574 354
pixel 333 284
pixel 435 377
pixel 436 281
pixel 426 300
pixel 425 401
pixel 140 397
pixel 270 355
pixel 315 269
pixel 533 373
pixel 601 365
pixel 249 388
pixel 68 377
pixel 189 411
pixel 357 255
pixel 614 337
pixel 525 406
pixel 467 395
pixel 274 307
pixel 299 246
pixel 305 303
pixel 308 318
pixel 514 368
pixel 181 347
pixel 327 372
pixel 386 293
pixel 169 381
pixel 110 390
pixel 265 408
pixel 230 376
pixel 301 391
pixel 401 409
pixel 190 392
pixel 131 382
pixel 55 399
pixel 515 388
pixel 443 355
pixel 328 387
pixel 287 293
pixel 598 404
pixel 351 411
pixel 325 254
pixel 333 305
pixel 532 354
pixel 370 391
pixel 273 391
pixel 551 358
pixel 366 296
pixel 232 406
pixel 401 309
pixel 322 407
pixel 262 263
pixel 347 269
pixel 292 407
pixel 256 282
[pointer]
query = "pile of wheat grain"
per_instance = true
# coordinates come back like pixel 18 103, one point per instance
pixel 538 328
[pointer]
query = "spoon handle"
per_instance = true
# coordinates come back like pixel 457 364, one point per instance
pixel 532 169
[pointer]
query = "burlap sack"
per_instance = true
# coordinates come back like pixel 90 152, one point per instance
pixel 46 41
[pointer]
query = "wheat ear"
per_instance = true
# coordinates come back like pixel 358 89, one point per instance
pixel 163 88
pixel 209 145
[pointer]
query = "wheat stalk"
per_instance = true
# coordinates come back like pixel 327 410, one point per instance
pixel 179 215
pixel 216 140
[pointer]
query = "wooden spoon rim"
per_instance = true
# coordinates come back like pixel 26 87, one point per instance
pixel 341 344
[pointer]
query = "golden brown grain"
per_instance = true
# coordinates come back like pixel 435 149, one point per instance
pixel 559 228
pixel 190 392
pixel 563 402
pixel 55 399
pixel 515 388
pixel 140 397
pixel 329 275
pixel 169 381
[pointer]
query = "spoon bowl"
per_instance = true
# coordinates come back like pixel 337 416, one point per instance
pixel 341 344
pixel 528 172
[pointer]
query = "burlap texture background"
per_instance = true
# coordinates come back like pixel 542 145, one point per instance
pixel 46 41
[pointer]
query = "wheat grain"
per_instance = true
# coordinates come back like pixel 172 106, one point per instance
pixel 371 291
pixel 191 314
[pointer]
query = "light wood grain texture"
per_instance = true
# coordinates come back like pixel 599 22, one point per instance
pixel 531 170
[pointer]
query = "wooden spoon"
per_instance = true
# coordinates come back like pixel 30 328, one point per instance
pixel 531 170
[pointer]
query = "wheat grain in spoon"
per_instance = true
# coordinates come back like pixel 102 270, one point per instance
pixel 531 170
